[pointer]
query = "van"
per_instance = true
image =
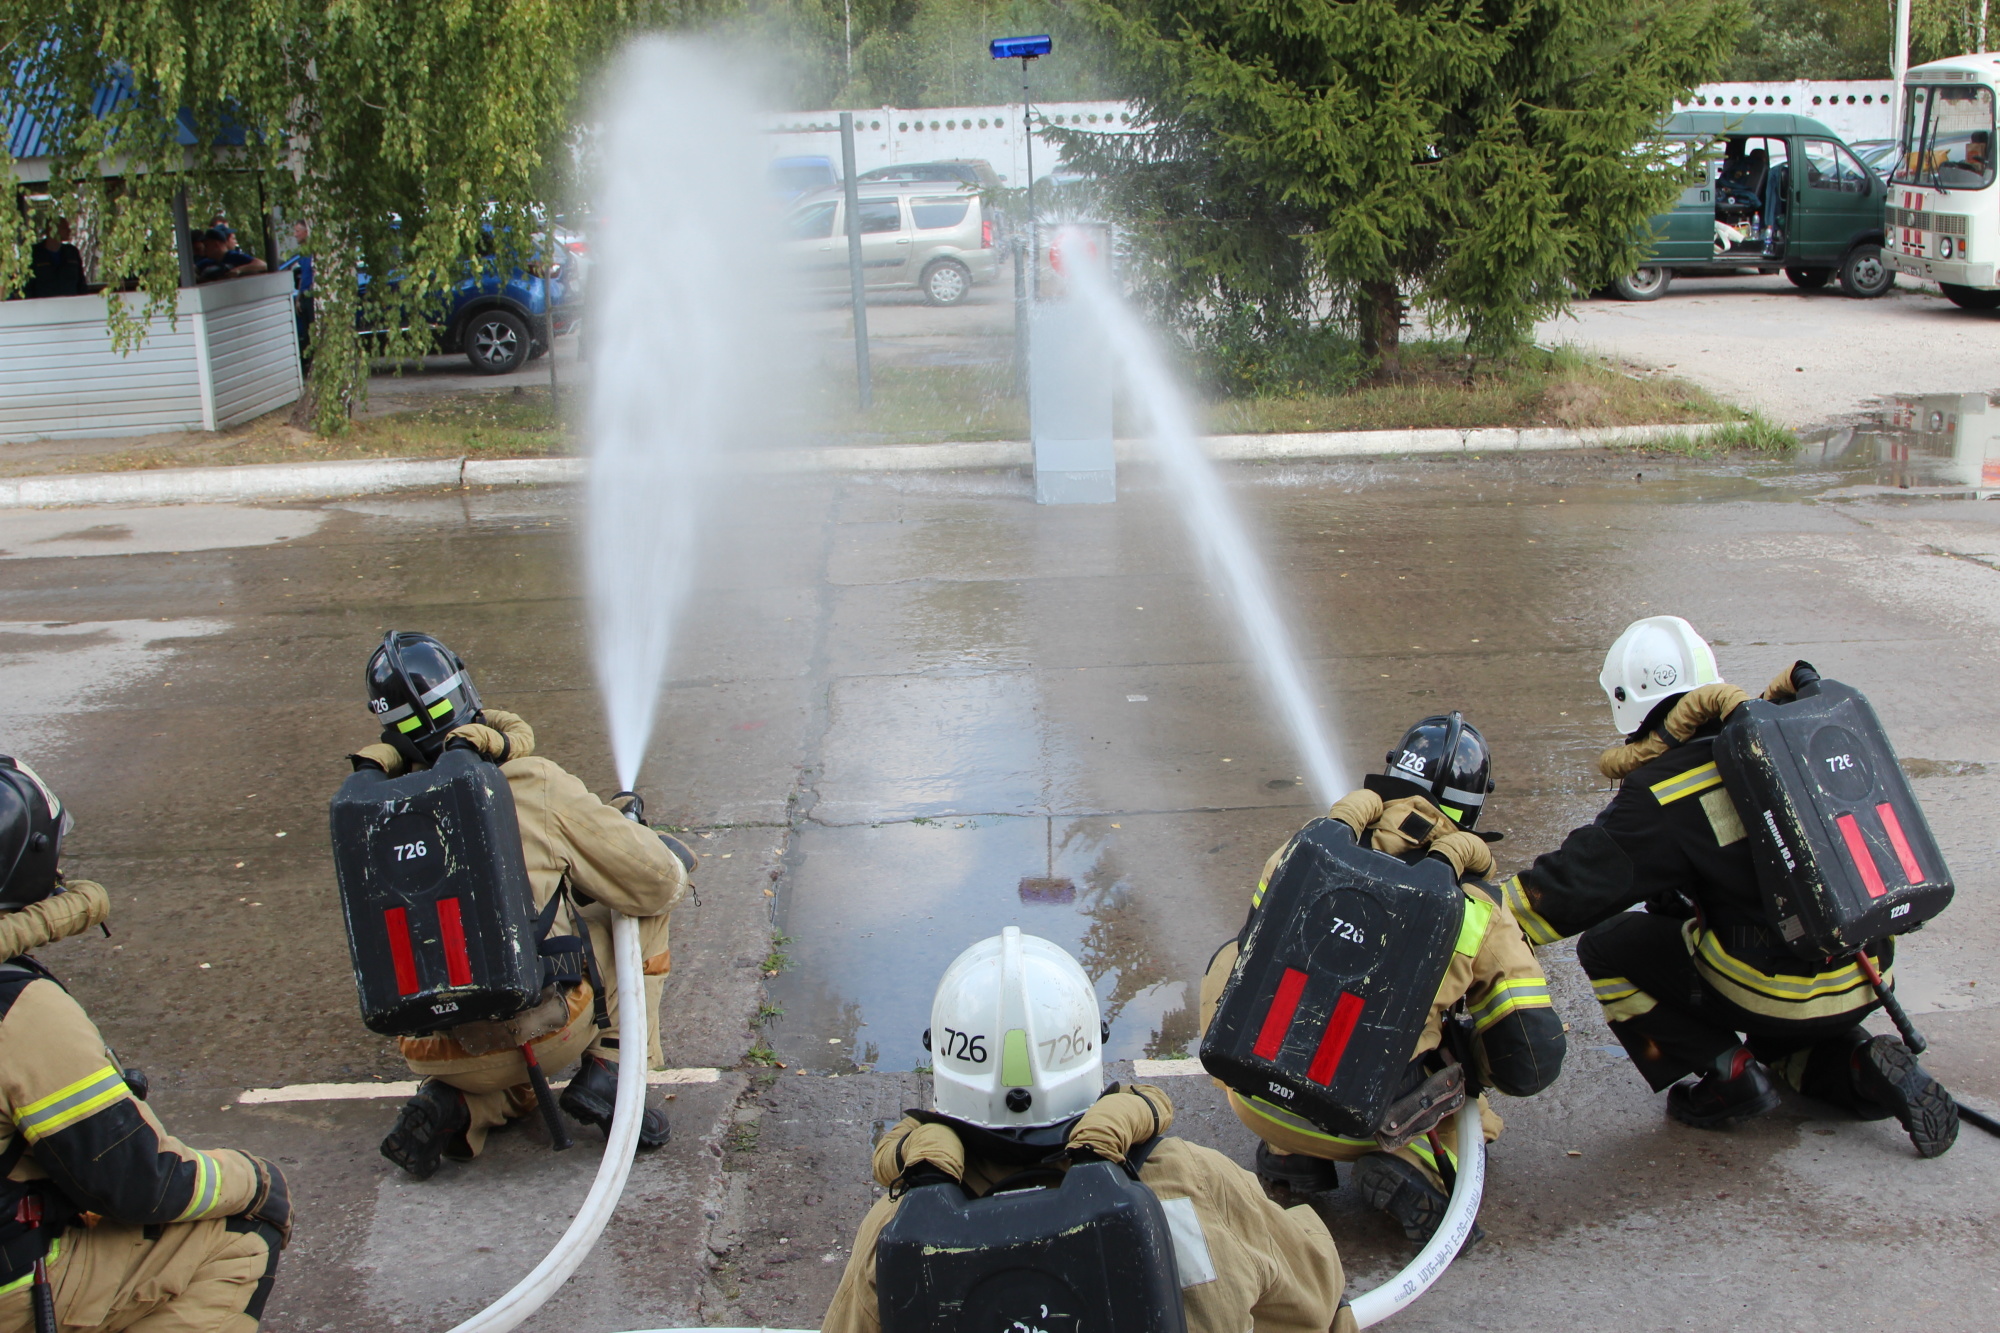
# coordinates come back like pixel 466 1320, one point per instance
pixel 1766 192
pixel 934 236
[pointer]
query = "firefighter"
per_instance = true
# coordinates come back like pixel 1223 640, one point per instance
pixel 1699 983
pixel 111 1222
pixel 1016 1049
pixel 1425 802
pixel 473 1082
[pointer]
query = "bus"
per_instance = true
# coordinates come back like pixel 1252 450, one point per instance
pixel 1943 215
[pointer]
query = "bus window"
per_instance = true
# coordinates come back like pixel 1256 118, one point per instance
pixel 1948 139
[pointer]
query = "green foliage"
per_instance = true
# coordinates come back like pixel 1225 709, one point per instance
pixel 416 138
pixel 1316 162
pixel 1847 39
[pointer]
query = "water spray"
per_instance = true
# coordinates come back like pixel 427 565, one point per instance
pixel 1211 516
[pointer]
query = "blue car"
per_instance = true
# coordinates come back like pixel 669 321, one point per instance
pixel 499 323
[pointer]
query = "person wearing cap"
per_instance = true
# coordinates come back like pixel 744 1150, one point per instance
pixel 1702 992
pixel 1016 1046
pixel 216 257
pixel 107 1221
pixel 1426 802
pixel 598 852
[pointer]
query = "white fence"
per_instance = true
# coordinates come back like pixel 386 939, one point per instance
pixel 884 136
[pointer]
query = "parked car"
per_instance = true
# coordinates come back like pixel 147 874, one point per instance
pixel 1768 192
pixel 499 321
pixel 934 236
pixel 965 170
pixel 1878 155
pixel 792 177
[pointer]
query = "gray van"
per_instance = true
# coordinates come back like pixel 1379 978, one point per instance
pixel 930 235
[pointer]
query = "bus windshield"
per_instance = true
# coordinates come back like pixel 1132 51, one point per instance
pixel 1947 138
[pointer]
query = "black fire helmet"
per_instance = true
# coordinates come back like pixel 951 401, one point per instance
pixel 32 824
pixel 1447 757
pixel 421 691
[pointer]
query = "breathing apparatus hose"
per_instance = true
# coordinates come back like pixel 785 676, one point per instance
pixel 529 1294
pixel 1394 1295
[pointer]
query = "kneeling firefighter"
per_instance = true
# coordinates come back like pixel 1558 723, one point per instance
pixel 1331 1052
pixel 1773 843
pixel 479 882
pixel 1040 1199
pixel 110 1221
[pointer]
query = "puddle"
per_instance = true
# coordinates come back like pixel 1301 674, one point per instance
pixel 34 534
pixel 1913 442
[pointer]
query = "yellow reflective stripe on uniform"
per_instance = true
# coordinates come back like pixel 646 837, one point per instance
pixel 1776 995
pixel 1621 999
pixel 55 1249
pixel 1297 1124
pixel 66 1106
pixel 1508 995
pixel 1533 925
pixel 1422 1148
pixel 1686 784
pixel 207 1184
pixel 1472 930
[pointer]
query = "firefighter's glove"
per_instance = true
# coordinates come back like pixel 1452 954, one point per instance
pixel 682 852
pixel 1409 824
pixel 1619 760
pixel 82 904
pixel 380 755
pixel 272 1203
pixel 1467 853
pixel 487 742
pixel 1357 810
pixel 1119 1121
pixel 912 1147
pixel 1785 686
pixel 520 736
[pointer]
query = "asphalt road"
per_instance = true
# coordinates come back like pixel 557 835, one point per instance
pixel 898 699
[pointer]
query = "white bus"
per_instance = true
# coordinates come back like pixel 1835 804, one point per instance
pixel 1943 217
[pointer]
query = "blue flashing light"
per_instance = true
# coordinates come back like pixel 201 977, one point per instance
pixel 1026 48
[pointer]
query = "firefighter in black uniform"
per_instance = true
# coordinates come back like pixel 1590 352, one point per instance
pixel 1699 983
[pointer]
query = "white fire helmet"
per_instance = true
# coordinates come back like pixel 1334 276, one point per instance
pixel 1015 1039
pixel 1654 659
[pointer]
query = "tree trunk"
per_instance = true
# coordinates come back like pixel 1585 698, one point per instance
pixel 1380 310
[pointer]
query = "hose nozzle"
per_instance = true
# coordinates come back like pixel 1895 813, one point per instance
pixel 634 809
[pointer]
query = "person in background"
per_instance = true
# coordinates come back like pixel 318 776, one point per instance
pixel 300 262
pixel 55 266
pixel 216 257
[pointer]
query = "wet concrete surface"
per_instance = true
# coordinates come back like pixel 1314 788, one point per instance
pixel 900 698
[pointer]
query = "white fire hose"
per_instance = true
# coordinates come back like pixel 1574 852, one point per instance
pixel 1395 1295
pixel 548 1276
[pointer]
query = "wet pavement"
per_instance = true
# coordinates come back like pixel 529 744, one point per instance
pixel 910 710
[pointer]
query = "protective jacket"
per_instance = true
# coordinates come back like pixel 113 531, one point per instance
pixel 1672 839
pixel 1247 1263
pixel 75 1141
pixel 1519 1042
pixel 609 864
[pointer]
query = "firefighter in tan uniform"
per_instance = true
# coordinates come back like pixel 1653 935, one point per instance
pixel 474 1077
pixel 110 1221
pixel 1426 803
pixel 1019 1082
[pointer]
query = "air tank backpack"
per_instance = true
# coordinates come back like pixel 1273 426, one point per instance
pixel 1335 979
pixel 1843 852
pixel 1093 1254
pixel 441 916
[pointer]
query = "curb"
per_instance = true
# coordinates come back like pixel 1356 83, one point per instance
pixel 334 480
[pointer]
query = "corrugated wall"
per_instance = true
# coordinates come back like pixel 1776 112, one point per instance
pixel 61 380
pixel 253 360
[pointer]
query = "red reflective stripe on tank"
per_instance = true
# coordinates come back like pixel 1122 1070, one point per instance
pixel 397 922
pixel 1857 847
pixel 1911 870
pixel 1278 1018
pixel 457 967
pixel 1333 1042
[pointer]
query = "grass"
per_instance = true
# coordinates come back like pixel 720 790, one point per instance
pixel 777 960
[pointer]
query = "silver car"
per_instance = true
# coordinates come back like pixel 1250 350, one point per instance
pixel 922 234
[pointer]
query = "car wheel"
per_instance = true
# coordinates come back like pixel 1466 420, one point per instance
pixel 1810 279
pixel 1863 274
pixel 947 282
pixel 1646 284
pixel 1970 298
pixel 496 342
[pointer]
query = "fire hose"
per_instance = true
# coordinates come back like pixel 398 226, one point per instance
pixel 529 1294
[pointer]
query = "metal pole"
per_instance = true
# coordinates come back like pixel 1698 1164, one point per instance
pixel 549 303
pixel 1034 223
pixel 1899 65
pixel 857 287
pixel 1982 25
pixel 1021 323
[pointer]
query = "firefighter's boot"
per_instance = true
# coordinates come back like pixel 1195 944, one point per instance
pixel 593 1093
pixel 1887 1074
pixel 1718 1100
pixel 1402 1190
pixel 1297 1172
pixel 430 1127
